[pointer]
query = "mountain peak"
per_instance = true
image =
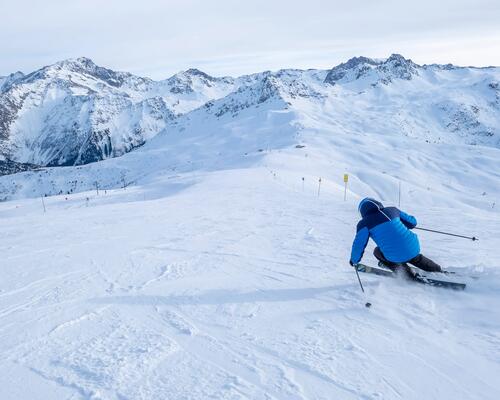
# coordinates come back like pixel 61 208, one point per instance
pixel 399 67
pixel 396 66
pixel 357 66
pixel 85 66
pixel 76 64
pixel 355 61
pixel 395 57
pixel 83 61
pixel 398 59
pixel 197 72
pixel 185 81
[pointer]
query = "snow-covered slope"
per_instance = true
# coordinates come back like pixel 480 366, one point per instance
pixel 234 284
pixel 213 262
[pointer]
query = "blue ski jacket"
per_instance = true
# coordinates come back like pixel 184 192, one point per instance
pixel 390 228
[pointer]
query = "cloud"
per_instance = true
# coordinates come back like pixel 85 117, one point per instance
pixel 157 38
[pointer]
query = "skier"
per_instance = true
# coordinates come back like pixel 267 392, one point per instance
pixel 390 228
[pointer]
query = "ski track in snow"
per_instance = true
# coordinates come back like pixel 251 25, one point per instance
pixel 236 288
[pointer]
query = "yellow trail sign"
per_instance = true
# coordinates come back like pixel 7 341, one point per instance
pixel 346 178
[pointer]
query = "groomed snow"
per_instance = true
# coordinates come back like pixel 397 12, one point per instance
pixel 219 274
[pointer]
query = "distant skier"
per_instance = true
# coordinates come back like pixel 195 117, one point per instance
pixel 390 228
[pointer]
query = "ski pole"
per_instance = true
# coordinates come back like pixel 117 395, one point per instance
pixel 359 279
pixel 360 284
pixel 473 238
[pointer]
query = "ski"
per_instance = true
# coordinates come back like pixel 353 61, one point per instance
pixel 411 274
pixel 422 278
pixel 460 274
pixel 375 270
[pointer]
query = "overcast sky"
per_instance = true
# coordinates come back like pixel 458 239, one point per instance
pixel 229 37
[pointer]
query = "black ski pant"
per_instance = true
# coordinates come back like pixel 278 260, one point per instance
pixel 420 261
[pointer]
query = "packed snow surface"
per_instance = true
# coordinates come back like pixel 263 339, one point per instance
pixel 213 262
pixel 234 284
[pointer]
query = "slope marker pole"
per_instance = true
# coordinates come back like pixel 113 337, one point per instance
pixel 346 179
pixel 399 194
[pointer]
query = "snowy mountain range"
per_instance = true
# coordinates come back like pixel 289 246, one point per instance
pixel 75 112
pixel 206 254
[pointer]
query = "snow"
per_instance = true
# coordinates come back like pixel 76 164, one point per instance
pixel 225 278
pixel 209 267
pixel 75 112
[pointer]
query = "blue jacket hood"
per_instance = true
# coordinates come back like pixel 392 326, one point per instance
pixel 368 206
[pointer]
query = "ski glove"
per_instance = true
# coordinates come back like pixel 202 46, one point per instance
pixel 408 220
pixel 351 263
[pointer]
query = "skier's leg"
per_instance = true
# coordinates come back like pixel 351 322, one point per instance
pixel 425 263
pixel 379 256
pixel 399 268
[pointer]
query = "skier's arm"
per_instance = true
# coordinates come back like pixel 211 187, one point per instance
pixel 408 220
pixel 359 244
